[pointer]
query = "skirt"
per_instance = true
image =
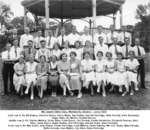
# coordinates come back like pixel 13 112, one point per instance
pixel 53 80
pixel 30 78
pixel 42 81
pixel 100 77
pixel 75 81
pixel 132 77
pixel 111 77
pixel 18 81
pixel 63 80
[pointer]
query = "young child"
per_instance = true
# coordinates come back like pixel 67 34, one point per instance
pixel 100 73
pixel 132 65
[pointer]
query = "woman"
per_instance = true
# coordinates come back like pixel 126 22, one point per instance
pixel 63 69
pixel 56 50
pixel 42 77
pixel 110 70
pixel 66 48
pixel 19 77
pixel 53 75
pixel 132 65
pixel 87 68
pixel 75 74
pixel 120 74
pixel 88 48
pixel 30 75
pixel 100 73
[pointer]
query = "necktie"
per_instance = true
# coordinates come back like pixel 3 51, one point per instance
pixel 139 52
pixel 16 52
pixel 62 42
pixel 29 50
pixel 8 54
pixel 116 51
pixel 127 51
pixel 49 42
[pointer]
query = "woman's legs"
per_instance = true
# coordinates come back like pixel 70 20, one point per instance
pixel 103 89
pixel 32 91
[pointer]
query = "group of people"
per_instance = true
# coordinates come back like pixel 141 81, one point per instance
pixel 101 62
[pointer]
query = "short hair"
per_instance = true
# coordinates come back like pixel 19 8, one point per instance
pixel 43 57
pixel 62 55
pixel 99 52
pixel 131 51
pixel 86 53
pixel 42 41
pixel 30 41
pixel 53 56
pixel 56 43
pixel 73 52
pixel 108 53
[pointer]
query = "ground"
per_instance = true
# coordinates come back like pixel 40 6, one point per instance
pixel 140 101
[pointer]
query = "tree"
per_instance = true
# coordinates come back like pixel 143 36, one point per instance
pixel 142 28
pixel 5 13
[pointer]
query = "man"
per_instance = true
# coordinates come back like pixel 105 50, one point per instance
pixel 50 40
pixel 29 50
pixel 127 47
pixel 25 38
pixel 13 36
pixel 7 71
pixel 140 55
pixel 62 38
pixel 101 46
pixel 42 51
pixel 120 35
pixel 73 37
pixel 115 48
pixel 38 39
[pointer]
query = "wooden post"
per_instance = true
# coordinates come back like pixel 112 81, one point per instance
pixel 114 21
pixel 121 17
pixel 94 17
pixel 47 13
pixel 25 17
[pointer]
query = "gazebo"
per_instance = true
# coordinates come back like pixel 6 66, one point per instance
pixel 73 9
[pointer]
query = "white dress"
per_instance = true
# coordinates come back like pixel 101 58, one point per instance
pixel 132 76
pixel 110 74
pixel 31 73
pixel 18 78
pixel 87 68
pixel 100 70
pixel 121 74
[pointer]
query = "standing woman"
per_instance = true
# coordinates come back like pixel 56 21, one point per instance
pixel 87 68
pixel 75 73
pixel 64 70
pixel 132 65
pixel 110 70
pixel 53 75
pixel 56 50
pixel 100 73
pixel 89 48
pixel 78 49
pixel 30 77
pixel 42 77
pixel 19 77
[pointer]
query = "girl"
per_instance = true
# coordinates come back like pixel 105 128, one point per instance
pixel 110 70
pixel 53 75
pixel 19 78
pixel 63 69
pixel 88 76
pixel 75 73
pixel 41 70
pixel 30 76
pixel 120 74
pixel 100 73
pixel 132 65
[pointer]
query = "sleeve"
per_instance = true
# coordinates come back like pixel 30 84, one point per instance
pixel 143 51
pixel 15 67
pixel 136 62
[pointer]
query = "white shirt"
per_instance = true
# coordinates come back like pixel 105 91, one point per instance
pixel 31 67
pixel 79 53
pixel 112 50
pixel 87 64
pixel 59 39
pixel 103 48
pixel 51 40
pixel 15 52
pixel 42 51
pixel 96 38
pixel 135 49
pixel 24 40
pixel 120 36
pixel 132 64
pixel 55 53
pixel 121 65
pixel 72 38
pixel 100 65
pixel 124 49
pixel 37 41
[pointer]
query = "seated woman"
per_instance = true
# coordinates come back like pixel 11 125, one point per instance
pixel 110 70
pixel 53 75
pixel 121 74
pixel 75 73
pixel 19 77
pixel 30 76
pixel 132 65
pixel 88 48
pixel 63 69
pixel 87 68
pixel 100 73
pixel 42 76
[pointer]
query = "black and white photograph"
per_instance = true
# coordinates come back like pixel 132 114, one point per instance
pixel 74 55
